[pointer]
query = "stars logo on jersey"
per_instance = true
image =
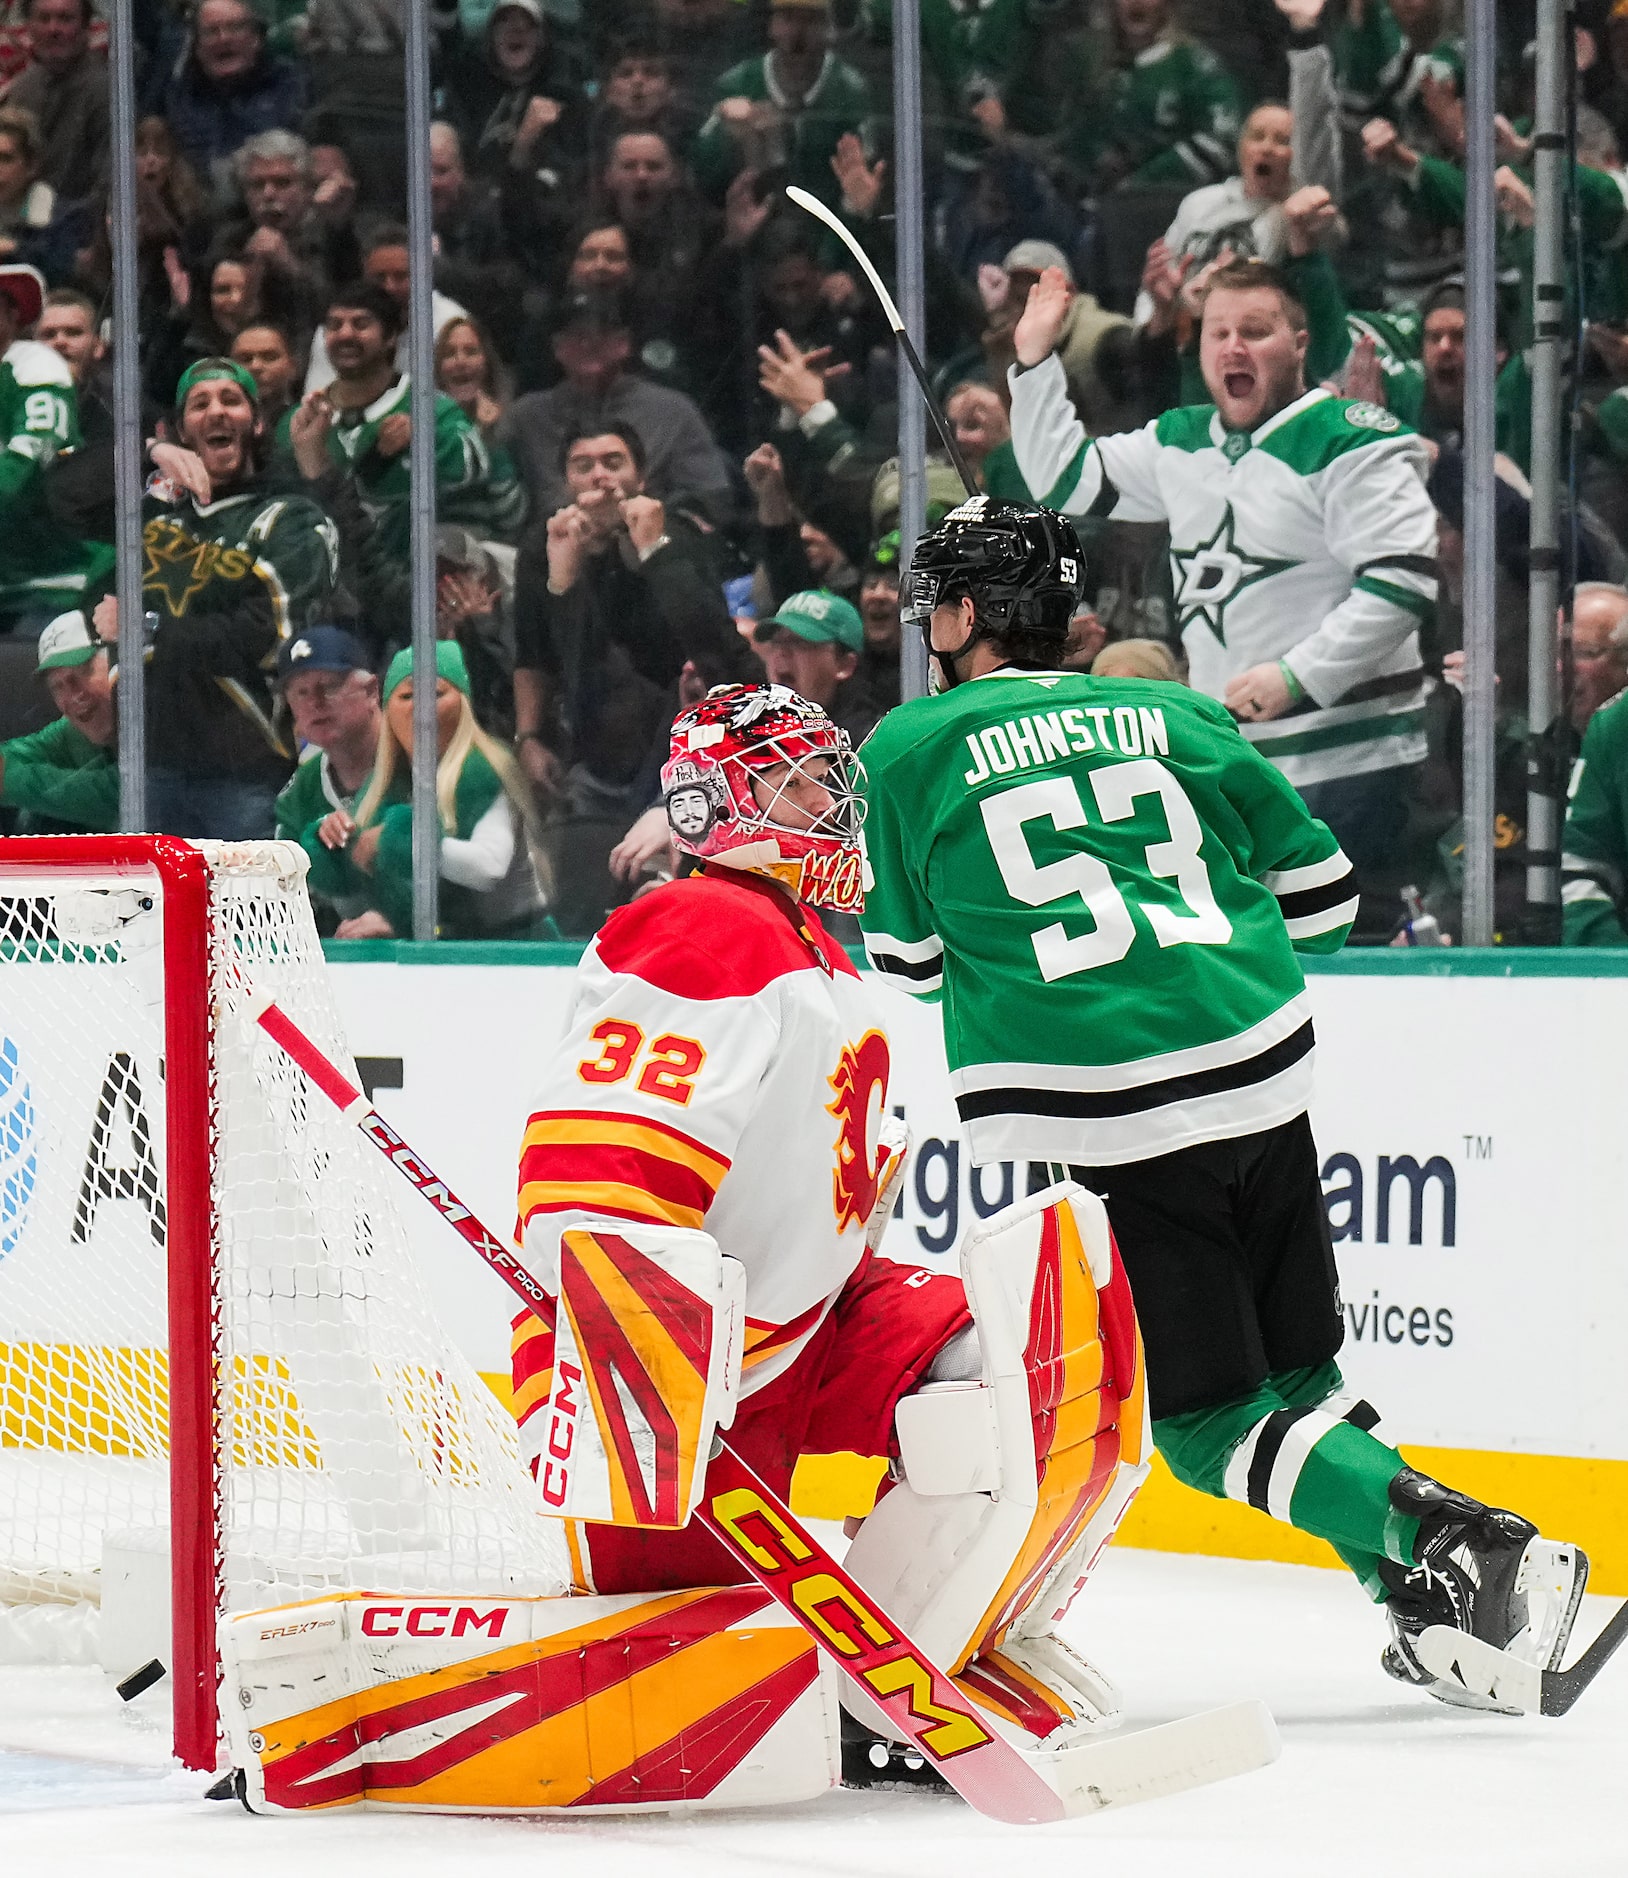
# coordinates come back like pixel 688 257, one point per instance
pixel 1214 573
pixel 859 1091
pixel 181 566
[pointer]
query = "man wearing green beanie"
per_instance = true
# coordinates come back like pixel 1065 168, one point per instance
pixel 231 570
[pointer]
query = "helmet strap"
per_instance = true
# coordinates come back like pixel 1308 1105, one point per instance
pixel 949 677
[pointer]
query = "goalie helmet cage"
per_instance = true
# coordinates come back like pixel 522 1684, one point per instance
pixel 210 1320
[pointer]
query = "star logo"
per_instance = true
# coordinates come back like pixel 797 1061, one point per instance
pixel 179 566
pixel 1208 577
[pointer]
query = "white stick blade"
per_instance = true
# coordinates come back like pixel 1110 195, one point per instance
pixel 1476 1666
pixel 820 212
pixel 1120 1770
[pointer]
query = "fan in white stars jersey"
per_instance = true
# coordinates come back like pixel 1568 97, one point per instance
pixel 1302 542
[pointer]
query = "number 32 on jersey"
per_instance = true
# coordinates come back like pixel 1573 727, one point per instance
pixel 1117 789
pixel 671 1064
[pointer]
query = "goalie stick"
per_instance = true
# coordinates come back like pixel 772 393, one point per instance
pixel 1485 1670
pixel 760 1531
pixel 895 319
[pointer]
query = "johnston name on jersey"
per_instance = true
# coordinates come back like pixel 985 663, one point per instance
pixel 1310 539
pixel 724 1066
pixel 1106 886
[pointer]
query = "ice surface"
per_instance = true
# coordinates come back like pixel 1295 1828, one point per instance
pixel 1373 1779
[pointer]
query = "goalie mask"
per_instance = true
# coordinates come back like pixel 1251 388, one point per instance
pixel 760 779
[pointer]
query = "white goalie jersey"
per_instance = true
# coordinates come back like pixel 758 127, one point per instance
pixel 724 1066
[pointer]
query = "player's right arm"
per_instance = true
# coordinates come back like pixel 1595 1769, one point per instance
pixel 1074 473
pixel 1286 848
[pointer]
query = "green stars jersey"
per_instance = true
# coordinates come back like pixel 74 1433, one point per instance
pixel 1105 886
pixel 1309 540
pixel 1595 862
pixel 1173 115
pixel 41 565
pixel 470 488
pixel 225 584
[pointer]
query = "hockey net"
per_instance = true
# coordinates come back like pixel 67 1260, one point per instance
pixel 210 1319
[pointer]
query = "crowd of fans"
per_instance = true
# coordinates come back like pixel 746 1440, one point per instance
pixel 666 404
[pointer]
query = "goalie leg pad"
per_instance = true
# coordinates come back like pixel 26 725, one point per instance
pixel 646 1366
pixel 1013 1486
pixel 694 1699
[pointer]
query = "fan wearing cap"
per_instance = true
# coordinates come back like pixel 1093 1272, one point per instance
pixel 332 694
pixel 492 864
pixel 64 779
pixel 42 566
pixel 231 570
pixel 812 644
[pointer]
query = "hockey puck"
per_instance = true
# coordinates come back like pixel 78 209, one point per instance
pixel 139 1681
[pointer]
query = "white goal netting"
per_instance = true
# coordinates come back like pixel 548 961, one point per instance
pixel 355 1446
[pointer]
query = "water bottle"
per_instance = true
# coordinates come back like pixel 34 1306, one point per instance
pixel 1422 928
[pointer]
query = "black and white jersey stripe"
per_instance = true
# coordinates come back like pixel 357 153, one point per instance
pixel 913 965
pixel 1315 899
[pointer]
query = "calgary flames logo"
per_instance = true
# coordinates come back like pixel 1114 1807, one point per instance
pixel 861 1073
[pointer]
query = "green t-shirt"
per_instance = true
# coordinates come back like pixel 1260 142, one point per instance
pixel 472 486
pixel 1106 887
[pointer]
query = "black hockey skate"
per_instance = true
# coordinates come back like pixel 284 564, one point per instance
pixel 872 1760
pixel 1481 1570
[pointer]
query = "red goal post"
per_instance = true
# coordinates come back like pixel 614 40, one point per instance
pixel 224 1336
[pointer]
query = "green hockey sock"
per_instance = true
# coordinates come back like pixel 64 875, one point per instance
pixel 1288 1449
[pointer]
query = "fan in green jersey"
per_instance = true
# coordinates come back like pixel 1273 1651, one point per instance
pixel 1302 548
pixel 229 570
pixel 43 567
pixel 1105 886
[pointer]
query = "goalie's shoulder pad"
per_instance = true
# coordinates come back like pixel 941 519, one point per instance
pixel 705 938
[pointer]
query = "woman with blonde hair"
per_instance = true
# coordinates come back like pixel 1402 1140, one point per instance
pixel 493 872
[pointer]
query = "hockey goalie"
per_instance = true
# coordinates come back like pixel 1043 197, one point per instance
pixel 703 1186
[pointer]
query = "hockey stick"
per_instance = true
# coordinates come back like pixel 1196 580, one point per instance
pixel 761 1532
pixel 1485 1670
pixel 817 208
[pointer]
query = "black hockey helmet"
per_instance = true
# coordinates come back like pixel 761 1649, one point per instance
pixel 1020 564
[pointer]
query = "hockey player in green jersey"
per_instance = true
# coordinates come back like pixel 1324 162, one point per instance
pixel 1302 545
pixel 1106 886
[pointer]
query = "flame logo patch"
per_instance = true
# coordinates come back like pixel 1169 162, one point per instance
pixel 861 1072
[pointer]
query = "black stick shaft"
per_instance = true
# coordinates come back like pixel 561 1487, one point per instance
pixel 940 421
